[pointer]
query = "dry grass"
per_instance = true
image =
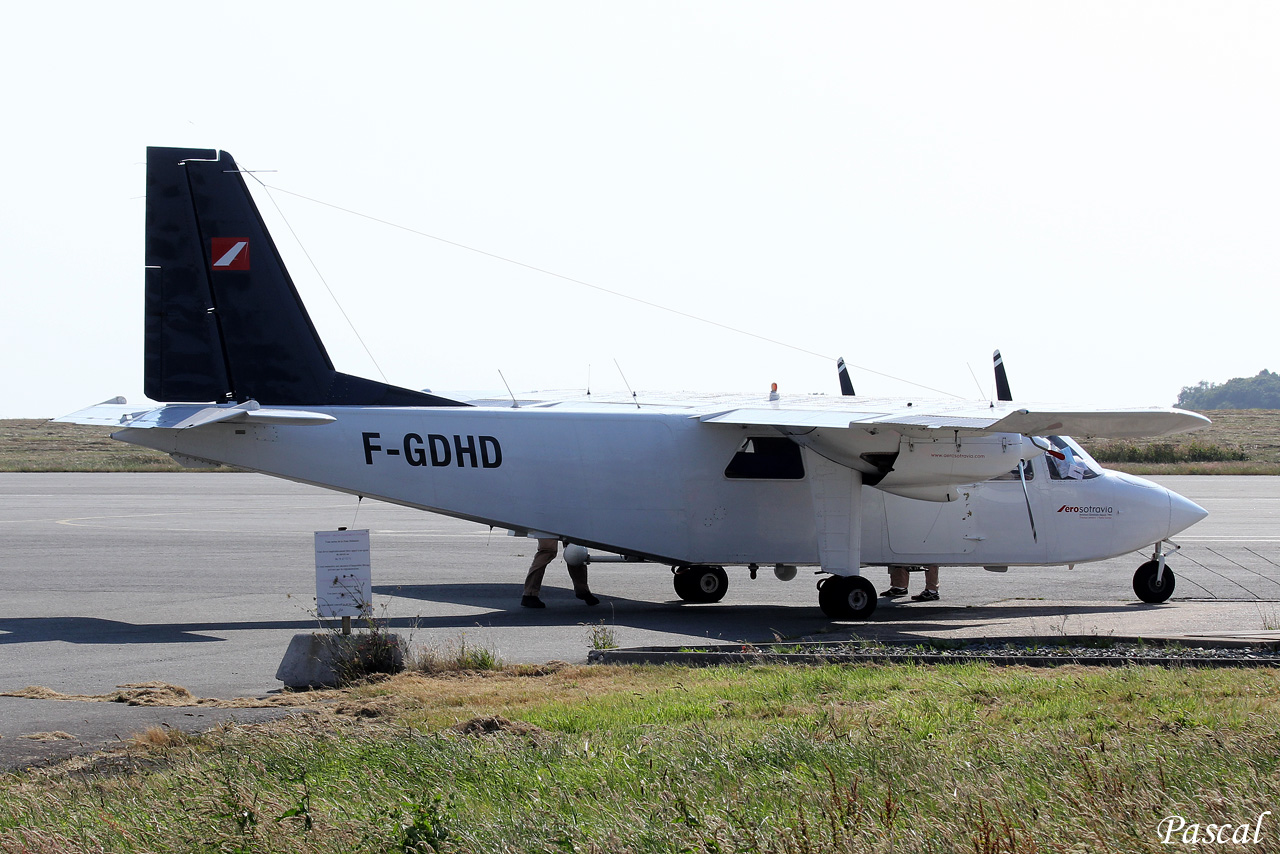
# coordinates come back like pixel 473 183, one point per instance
pixel 32 445
pixel 1256 432
pixel 158 737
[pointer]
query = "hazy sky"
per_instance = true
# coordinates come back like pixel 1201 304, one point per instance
pixel 1092 188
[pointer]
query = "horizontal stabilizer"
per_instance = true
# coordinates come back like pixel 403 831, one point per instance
pixel 250 412
pixel 178 417
pixel 112 413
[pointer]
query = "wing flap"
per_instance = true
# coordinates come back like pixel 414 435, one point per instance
pixel 790 417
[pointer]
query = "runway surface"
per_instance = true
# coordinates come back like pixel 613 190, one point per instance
pixel 200 580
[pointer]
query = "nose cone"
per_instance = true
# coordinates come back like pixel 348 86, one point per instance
pixel 1183 513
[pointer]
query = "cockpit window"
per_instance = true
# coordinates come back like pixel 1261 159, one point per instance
pixel 767 458
pixel 1076 463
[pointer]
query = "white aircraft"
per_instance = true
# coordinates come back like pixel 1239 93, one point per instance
pixel 839 483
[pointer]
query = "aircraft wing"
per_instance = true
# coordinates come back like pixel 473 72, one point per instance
pixel 845 419
pixel 1114 424
pixel 908 420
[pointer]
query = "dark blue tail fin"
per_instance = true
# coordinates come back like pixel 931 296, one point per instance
pixel 223 319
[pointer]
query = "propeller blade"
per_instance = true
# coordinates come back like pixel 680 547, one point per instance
pixel 1002 380
pixel 1022 476
pixel 846 384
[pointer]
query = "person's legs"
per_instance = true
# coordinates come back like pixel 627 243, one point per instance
pixel 930 592
pixel 578 574
pixel 537 569
pixel 898 576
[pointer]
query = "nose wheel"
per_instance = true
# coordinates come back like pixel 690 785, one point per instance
pixel 1151 585
pixel 849 597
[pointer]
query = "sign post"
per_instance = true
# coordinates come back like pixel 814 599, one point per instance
pixel 344 576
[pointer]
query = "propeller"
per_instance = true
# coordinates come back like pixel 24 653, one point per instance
pixel 1022 476
pixel 1005 395
pixel 1002 380
pixel 846 384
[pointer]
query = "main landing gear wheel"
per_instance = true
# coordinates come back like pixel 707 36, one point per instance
pixel 701 583
pixel 849 597
pixel 1144 583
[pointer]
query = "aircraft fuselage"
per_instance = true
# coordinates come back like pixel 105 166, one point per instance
pixel 659 485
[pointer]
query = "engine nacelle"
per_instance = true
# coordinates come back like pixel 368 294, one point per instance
pixel 949 460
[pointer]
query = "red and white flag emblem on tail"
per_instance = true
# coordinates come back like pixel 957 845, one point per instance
pixel 230 253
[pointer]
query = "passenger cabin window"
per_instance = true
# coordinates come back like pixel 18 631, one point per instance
pixel 767 458
pixel 1076 463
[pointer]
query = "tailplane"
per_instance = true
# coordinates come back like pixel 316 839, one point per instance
pixel 224 322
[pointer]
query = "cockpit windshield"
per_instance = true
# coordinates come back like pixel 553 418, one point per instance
pixel 1076 463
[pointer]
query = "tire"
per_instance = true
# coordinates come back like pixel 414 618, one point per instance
pixel 1144 583
pixel 701 583
pixel 847 597
pixel 685 583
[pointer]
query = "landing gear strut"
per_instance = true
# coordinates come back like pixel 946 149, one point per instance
pixel 701 583
pixel 849 597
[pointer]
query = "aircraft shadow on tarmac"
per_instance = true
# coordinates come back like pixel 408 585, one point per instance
pixel 731 622
pixel 93 630
pixel 728 622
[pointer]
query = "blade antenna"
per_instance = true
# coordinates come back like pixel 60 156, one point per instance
pixel 627 384
pixel 1022 476
pixel 515 404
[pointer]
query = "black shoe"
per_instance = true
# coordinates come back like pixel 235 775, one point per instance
pixel 895 591
pixel 532 602
pixel 926 596
pixel 588 598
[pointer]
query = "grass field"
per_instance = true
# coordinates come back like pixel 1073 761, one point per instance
pixel 668 759
pixel 33 445
pixel 1255 432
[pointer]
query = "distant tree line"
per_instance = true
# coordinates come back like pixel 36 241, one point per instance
pixel 1260 392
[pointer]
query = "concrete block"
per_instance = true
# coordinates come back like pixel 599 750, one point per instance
pixel 328 659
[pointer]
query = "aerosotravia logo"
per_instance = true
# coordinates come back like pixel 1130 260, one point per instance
pixel 1090 512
